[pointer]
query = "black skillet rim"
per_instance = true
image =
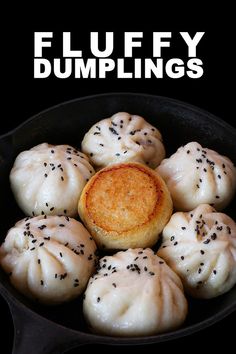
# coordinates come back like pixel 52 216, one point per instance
pixel 93 338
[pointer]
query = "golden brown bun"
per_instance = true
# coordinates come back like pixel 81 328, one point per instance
pixel 125 206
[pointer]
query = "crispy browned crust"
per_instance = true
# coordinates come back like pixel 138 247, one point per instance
pixel 125 205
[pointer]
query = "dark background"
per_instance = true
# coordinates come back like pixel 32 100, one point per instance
pixel 25 96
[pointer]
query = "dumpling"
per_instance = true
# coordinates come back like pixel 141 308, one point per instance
pixel 123 138
pixel 200 246
pixel 125 206
pixel 197 175
pixel 49 258
pixel 134 293
pixel 49 179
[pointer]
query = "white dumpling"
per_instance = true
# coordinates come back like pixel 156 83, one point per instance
pixel 134 293
pixel 195 175
pixel 49 179
pixel 200 246
pixel 49 258
pixel 123 138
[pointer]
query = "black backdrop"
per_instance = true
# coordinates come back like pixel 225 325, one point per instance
pixel 24 96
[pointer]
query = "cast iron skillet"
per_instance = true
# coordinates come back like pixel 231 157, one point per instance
pixel 55 329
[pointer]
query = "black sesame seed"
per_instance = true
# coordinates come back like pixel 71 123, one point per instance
pixel 60 254
pixel 41 244
pixel 33 248
pixel 199 270
pixel 183 228
pixel 188 152
pixel 52 208
pixel 135 259
pixel 140 252
pixel 223 165
pixel 214 271
pixel 182 257
pixel 213 236
pixel 45 175
pixel 191 215
pixel 207 241
pixel 202 264
pixel 217 197
pixel 145 257
pixel 205 170
pixel 228 229
pixel 41 282
pixel 62 178
pixel 117 154
pixel 119 138
pixel 137 142
pixel 33 241
pixel 55 275
pixel 219 176
pixel 98 299
pixel 197 185
pixel 52 151
pixel 145 268
pixel 202 252
pixel 114 284
pixel 151 273
pixel 175 244
pixel 61 225
pixel 68 158
pixel 113 131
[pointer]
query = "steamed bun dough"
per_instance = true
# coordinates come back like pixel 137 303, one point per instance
pixel 195 175
pixel 125 205
pixel 200 246
pixel 49 258
pixel 123 138
pixel 134 293
pixel 49 179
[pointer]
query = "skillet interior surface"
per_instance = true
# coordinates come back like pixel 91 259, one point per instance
pixel 67 123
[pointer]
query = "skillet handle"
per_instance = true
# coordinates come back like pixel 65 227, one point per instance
pixel 34 334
